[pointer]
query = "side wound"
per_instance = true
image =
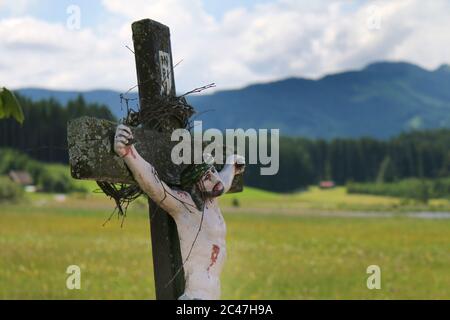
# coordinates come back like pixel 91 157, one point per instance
pixel 214 254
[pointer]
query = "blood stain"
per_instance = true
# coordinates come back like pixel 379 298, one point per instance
pixel 214 254
pixel 132 152
pixel 181 194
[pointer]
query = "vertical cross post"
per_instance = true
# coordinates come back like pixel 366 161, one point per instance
pixel 154 68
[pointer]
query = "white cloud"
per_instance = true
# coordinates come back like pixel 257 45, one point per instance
pixel 269 41
pixel 40 54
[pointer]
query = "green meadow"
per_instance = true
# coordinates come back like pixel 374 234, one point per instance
pixel 307 245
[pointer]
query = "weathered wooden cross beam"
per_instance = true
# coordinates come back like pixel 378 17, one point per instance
pixel 92 157
pixel 91 154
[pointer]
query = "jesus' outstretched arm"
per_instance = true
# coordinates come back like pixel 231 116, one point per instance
pixel 146 176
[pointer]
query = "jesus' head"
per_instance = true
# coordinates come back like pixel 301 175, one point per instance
pixel 204 177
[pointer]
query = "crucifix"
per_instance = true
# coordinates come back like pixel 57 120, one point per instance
pixel 103 151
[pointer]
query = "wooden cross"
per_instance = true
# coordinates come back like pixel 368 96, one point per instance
pixel 91 154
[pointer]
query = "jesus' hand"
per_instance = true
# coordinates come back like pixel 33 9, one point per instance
pixel 238 163
pixel 122 140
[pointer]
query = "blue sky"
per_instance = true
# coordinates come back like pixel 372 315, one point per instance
pixel 50 10
pixel 54 11
pixel 232 43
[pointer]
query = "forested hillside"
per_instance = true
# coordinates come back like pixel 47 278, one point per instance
pixel 43 134
pixel 423 154
pixel 380 101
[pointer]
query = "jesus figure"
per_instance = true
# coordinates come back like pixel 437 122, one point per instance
pixel 194 207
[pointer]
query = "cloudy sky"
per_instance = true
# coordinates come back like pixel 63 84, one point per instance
pixel 232 43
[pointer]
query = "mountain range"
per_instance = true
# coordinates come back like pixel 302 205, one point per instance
pixel 380 100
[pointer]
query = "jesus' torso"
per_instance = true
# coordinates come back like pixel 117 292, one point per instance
pixel 203 266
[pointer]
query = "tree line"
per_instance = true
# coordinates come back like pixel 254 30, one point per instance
pixel 303 162
pixel 43 134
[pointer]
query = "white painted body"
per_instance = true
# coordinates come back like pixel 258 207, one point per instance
pixel 204 265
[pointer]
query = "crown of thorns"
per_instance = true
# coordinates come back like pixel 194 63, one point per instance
pixel 193 172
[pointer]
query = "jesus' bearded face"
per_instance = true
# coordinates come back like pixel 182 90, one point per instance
pixel 211 184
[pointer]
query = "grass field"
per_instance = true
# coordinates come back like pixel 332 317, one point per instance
pixel 288 251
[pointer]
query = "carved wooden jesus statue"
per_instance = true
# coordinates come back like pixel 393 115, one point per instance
pixel 201 228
